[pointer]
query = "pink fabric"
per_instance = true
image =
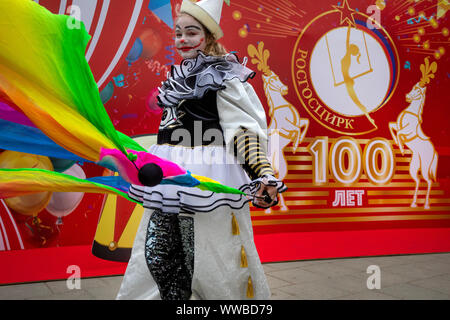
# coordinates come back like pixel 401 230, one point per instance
pixel 10 114
pixel 129 172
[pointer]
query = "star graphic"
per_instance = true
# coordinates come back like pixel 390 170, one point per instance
pixel 346 13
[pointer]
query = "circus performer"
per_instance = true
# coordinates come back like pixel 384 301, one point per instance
pixel 195 239
pixel 198 244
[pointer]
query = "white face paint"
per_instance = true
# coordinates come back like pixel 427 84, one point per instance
pixel 189 36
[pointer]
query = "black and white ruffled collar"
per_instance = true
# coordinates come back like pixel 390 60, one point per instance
pixel 194 77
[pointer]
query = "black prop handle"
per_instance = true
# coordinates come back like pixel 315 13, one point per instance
pixel 150 175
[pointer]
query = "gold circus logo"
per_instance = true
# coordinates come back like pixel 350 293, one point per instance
pixel 344 70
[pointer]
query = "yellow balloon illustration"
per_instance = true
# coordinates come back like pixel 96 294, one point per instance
pixel 31 204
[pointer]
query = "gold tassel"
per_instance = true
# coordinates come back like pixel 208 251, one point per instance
pixel 234 225
pixel 250 288
pixel 244 263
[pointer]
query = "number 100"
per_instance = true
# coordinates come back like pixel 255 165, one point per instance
pixel 346 162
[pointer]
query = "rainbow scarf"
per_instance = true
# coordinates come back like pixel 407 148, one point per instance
pixel 50 105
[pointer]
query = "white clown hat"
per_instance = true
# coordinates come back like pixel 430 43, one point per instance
pixel 208 12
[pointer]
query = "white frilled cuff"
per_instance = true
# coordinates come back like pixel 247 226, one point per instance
pixel 267 180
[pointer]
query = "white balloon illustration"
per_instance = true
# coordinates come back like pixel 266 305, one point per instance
pixel 64 203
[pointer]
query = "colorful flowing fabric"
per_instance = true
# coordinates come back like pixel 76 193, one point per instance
pixel 19 134
pixel 51 181
pixel 45 76
pixel 43 71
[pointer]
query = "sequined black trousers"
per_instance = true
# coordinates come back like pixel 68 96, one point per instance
pixel 169 253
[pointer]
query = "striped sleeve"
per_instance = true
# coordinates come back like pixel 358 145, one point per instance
pixel 252 155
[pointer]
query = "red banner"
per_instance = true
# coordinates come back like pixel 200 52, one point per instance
pixel 356 98
pixel 360 149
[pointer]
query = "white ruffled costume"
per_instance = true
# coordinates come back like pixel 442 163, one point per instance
pixel 218 273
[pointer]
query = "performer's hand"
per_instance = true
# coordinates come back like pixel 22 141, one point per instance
pixel 268 192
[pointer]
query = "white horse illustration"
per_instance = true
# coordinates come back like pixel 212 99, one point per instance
pixel 285 123
pixel 407 130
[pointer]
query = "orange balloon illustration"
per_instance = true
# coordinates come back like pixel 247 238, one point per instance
pixel 31 204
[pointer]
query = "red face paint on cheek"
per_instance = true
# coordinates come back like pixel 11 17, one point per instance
pixel 201 41
pixel 195 47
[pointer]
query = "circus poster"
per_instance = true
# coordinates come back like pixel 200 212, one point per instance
pixel 356 98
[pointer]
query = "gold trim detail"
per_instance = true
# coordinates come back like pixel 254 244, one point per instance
pixel 234 225
pixel 250 291
pixel 112 246
pixel 244 263
pixel 406 201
